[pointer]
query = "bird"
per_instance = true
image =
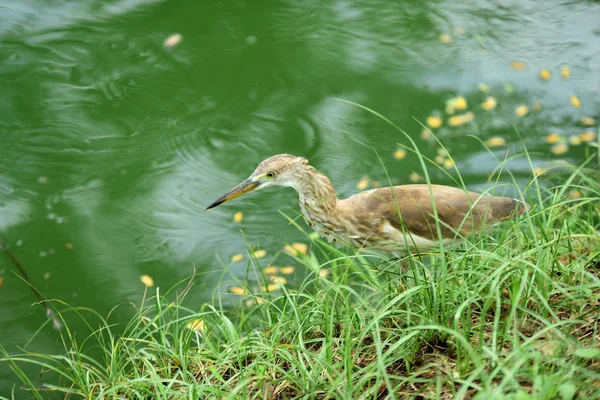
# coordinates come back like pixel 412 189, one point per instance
pixel 395 219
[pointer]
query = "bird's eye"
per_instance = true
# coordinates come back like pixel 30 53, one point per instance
pixel 271 174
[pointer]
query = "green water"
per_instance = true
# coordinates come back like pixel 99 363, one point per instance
pixel 112 144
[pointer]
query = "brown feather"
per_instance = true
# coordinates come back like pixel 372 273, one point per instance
pixel 460 213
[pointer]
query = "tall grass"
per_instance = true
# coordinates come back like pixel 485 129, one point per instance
pixel 511 314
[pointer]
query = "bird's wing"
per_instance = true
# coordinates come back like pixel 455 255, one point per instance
pixel 460 213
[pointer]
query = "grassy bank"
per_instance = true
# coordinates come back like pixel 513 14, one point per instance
pixel 512 315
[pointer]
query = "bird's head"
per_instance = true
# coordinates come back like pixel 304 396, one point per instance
pixel 280 170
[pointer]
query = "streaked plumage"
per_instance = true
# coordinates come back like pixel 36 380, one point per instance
pixel 391 219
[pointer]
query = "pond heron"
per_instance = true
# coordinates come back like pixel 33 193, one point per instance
pixel 396 219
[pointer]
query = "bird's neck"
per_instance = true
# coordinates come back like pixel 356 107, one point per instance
pixel 317 197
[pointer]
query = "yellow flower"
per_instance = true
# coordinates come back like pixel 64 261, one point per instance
pixel 237 257
pixel 195 325
pixel 489 104
pixel 518 65
pixel 287 270
pixel 587 136
pixel 565 72
pixel 270 270
pixel 363 183
pixel 445 38
pixel 560 148
pixel 259 253
pixel 588 121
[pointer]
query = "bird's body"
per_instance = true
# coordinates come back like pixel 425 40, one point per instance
pixel 391 219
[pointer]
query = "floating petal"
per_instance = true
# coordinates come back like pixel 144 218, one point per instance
pixel 295 249
pixel 237 257
pixel 278 279
pixel 173 40
pixel 439 159
pixel 560 148
pixel 521 110
pixel 445 38
pixel 414 177
pixel 448 163
pixel 575 101
pixel 270 270
pixel 587 136
pixel 400 154
pixel 323 273
pixel 565 72
pixel 553 138
pixel 588 121
pixel 195 325
pixel 489 104
pixel 518 65
pixel 434 121
pixel 495 141
pixel 287 270
pixel 363 183
pixel 147 280
pixel 483 87
pixel 545 74
pixel 69 245
pixel 238 290
pixel 238 217
pixel 425 134
pixel 575 140
pixel 259 253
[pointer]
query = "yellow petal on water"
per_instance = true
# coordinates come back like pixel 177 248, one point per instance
pixel 287 270
pixel 425 134
pixel 259 253
pixel 400 154
pixel 455 121
pixel 363 183
pixel 468 117
pixel 323 273
pixel 376 184
pixel 195 325
pixel 521 110
pixel 69 245
pixel 589 121
pixel 300 247
pixel 434 121
pixel 460 103
pixel 565 72
pixel 173 40
pixel 489 104
pixel 271 288
pixel 238 217
pixel 147 280
pixel 552 138
pixel 270 270
pixel 255 300
pixel 295 249
pixel 439 159
pixel 441 152
pixel 574 140
pixel 448 163
pixel 414 177
pixel 587 136
pixel 539 171
pixel 495 141
pixel 483 87
pixel 537 107
pixel 237 257
pixel 458 30
pixel 445 38
pixel 278 279
pixel 545 74
pixel 560 148
pixel 518 65
pixel 575 101
pixel 238 290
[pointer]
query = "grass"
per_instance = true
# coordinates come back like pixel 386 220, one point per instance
pixel 513 315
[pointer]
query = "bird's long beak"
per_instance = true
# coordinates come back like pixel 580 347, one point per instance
pixel 247 186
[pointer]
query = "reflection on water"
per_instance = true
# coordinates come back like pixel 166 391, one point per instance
pixel 114 143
